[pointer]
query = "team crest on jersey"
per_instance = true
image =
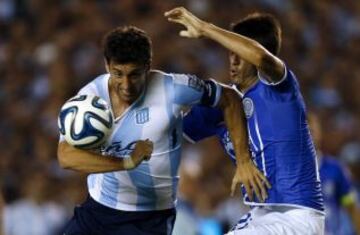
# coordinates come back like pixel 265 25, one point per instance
pixel 142 116
pixel 248 107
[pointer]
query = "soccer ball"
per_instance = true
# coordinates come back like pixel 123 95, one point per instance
pixel 85 121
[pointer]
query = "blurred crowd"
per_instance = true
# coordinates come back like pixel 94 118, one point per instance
pixel 49 49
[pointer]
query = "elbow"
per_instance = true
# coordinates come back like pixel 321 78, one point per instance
pixel 63 158
pixel 265 61
pixel 63 161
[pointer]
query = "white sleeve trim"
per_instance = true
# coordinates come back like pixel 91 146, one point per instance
pixel 188 138
pixel 263 80
pixel 237 91
pixel 218 93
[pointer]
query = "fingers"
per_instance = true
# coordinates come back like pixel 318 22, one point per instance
pixel 148 149
pixel 233 187
pixel 175 20
pixel 176 12
pixel 262 194
pixel 144 149
pixel 249 192
pixel 256 189
pixel 254 182
pixel 185 33
pixel 265 180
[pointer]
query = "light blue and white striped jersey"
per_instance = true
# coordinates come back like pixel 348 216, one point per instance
pixel 155 115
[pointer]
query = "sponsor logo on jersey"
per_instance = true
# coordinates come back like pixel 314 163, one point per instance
pixel 117 149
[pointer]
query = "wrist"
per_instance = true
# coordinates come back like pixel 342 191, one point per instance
pixel 205 28
pixel 128 163
pixel 244 159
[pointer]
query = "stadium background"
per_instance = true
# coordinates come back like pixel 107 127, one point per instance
pixel 48 49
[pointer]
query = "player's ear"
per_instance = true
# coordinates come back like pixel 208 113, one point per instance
pixel 107 67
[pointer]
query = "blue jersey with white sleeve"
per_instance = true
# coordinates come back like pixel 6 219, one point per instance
pixel 338 192
pixel 279 139
pixel 156 115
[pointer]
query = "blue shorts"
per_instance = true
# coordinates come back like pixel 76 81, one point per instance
pixel 92 218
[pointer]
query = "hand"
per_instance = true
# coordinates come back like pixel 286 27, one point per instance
pixel 252 179
pixel 143 150
pixel 182 16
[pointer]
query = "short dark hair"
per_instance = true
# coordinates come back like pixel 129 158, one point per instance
pixel 127 44
pixel 261 27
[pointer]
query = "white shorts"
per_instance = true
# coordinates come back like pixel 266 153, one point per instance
pixel 279 220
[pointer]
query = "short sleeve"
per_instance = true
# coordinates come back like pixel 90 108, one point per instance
pixel 201 122
pixel 265 81
pixel 189 90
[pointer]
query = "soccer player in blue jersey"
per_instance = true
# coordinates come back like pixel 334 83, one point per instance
pixel 279 136
pixel 339 193
pixel 128 195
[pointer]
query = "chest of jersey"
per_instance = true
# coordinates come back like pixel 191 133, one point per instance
pixel 150 117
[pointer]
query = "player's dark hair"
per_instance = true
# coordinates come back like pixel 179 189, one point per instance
pixel 261 27
pixel 127 45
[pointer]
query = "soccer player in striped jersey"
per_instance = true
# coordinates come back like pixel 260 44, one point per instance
pixel 279 136
pixel 128 195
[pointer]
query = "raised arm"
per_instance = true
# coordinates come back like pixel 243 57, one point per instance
pixel 85 161
pixel 247 49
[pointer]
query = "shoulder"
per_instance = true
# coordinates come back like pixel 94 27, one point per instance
pixel 288 78
pixel 177 77
pixel 95 85
pixel 158 74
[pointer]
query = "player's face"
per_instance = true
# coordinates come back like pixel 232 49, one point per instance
pixel 127 80
pixel 239 69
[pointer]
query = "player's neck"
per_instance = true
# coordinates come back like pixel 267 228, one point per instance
pixel 118 106
pixel 245 83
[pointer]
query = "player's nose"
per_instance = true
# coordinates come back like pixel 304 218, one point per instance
pixel 126 84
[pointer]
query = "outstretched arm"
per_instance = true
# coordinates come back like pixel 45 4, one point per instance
pixel 77 159
pixel 246 48
pixel 246 172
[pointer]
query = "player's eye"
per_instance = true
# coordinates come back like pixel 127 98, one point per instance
pixel 118 74
pixel 135 75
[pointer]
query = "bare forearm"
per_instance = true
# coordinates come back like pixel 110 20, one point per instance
pixel 235 121
pixel 248 49
pixel 87 162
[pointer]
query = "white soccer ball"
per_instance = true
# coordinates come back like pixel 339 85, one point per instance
pixel 85 121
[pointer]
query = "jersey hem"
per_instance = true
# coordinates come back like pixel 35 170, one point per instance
pixel 284 204
pixel 127 207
